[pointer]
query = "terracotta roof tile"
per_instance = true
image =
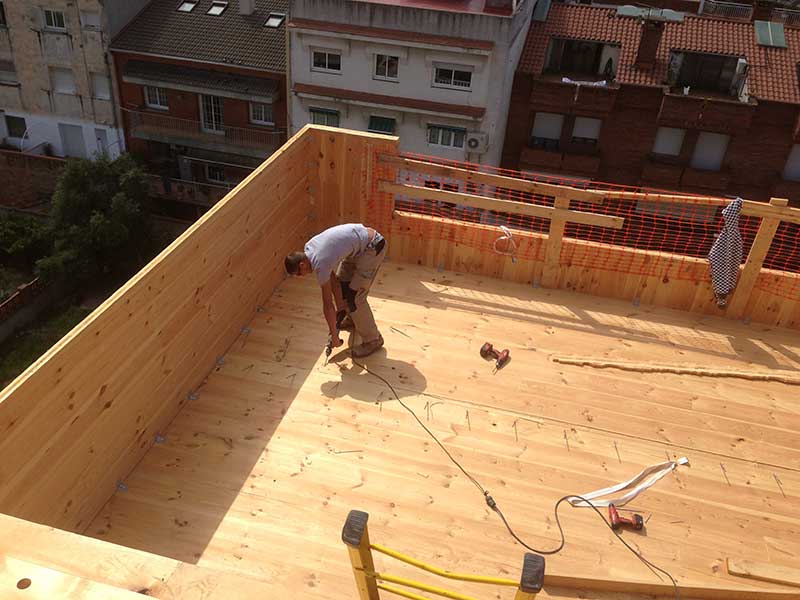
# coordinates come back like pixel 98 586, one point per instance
pixel 773 71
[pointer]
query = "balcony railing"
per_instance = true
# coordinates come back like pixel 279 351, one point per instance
pixel 148 124
pixel 727 10
pixel 787 16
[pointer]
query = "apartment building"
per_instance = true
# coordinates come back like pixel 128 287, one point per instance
pixel 56 85
pixel 437 73
pixel 202 87
pixel 704 102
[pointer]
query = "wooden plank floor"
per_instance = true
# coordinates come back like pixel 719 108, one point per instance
pixel 258 474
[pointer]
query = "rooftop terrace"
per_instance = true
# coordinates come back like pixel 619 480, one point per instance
pixel 191 442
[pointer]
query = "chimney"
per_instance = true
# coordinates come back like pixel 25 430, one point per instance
pixel 648 44
pixel 247 7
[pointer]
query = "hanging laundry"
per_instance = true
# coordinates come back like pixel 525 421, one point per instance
pixel 726 254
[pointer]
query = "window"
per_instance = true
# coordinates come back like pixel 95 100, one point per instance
pixel 791 171
pixel 708 72
pixel 54 19
pixel 381 124
pixel 101 86
pixel 101 137
pixel 386 66
pixel 261 113
pixel 16 126
pixel 440 135
pixel 546 132
pixel 274 20
pixel 709 151
pixel 457 77
pixel 187 6
pixel 156 97
pixel 211 113
pixel 770 34
pixel 90 20
pixel 63 81
pixel 8 73
pixel 578 57
pixel 3 21
pixel 327 61
pixel 215 173
pixel 586 131
pixel 669 141
pixel 323 116
pixel 217 8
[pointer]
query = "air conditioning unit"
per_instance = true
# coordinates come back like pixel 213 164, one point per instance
pixel 477 142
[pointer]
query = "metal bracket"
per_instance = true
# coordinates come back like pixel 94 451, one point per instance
pixel 440 268
pixel 246 330
pixel 192 396
pixel 121 486
pixel 535 283
pixel 159 439
pixel 746 321
pixel 220 361
pixel 637 301
pixel 260 309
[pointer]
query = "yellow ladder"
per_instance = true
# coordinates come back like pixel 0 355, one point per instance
pixel 370 583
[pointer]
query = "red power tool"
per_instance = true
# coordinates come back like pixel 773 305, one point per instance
pixel 617 522
pixel 487 352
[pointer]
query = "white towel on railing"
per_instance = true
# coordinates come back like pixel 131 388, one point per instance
pixel 726 253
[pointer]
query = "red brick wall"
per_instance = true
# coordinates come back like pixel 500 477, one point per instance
pixel 186 105
pixel 761 139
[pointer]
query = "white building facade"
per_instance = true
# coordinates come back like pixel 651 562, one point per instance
pixel 56 83
pixel 439 78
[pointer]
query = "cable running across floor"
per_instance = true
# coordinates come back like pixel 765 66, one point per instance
pixel 492 504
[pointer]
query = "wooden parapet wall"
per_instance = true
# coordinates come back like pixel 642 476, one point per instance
pixel 76 422
pixel 423 236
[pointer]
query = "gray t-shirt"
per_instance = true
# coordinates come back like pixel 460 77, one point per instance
pixel 326 250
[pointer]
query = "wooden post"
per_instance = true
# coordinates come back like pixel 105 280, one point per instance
pixel 532 578
pixel 554 243
pixel 754 262
pixel 356 537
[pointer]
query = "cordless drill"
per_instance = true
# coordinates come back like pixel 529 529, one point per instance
pixel 617 522
pixel 488 351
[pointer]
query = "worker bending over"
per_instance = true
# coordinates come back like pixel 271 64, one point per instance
pixel 346 259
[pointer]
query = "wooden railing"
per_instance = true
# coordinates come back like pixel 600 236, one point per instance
pixel 418 231
pixel 142 122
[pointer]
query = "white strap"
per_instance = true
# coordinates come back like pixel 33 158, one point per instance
pixel 507 235
pixel 636 486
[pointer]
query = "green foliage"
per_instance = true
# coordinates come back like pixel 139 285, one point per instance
pixel 23 239
pixel 99 221
pixel 25 347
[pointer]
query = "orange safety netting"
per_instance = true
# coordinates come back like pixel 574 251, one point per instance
pixel 676 233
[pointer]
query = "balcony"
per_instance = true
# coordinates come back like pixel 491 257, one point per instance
pixel 732 11
pixel 709 113
pixel 550 94
pixel 172 130
pixel 787 16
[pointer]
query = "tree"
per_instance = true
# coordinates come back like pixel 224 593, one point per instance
pixel 23 239
pixel 99 221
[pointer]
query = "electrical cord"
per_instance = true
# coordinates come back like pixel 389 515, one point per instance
pixel 492 504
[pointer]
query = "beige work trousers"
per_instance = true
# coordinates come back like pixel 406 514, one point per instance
pixel 356 276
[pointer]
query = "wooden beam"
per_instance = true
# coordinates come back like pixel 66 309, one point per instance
pixel 749 207
pixel 555 241
pixel 764 571
pixel 754 262
pixel 506 206
pixel 512 183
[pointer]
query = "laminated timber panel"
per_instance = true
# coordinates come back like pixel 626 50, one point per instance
pixel 660 287
pixel 84 414
pixel 279 446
